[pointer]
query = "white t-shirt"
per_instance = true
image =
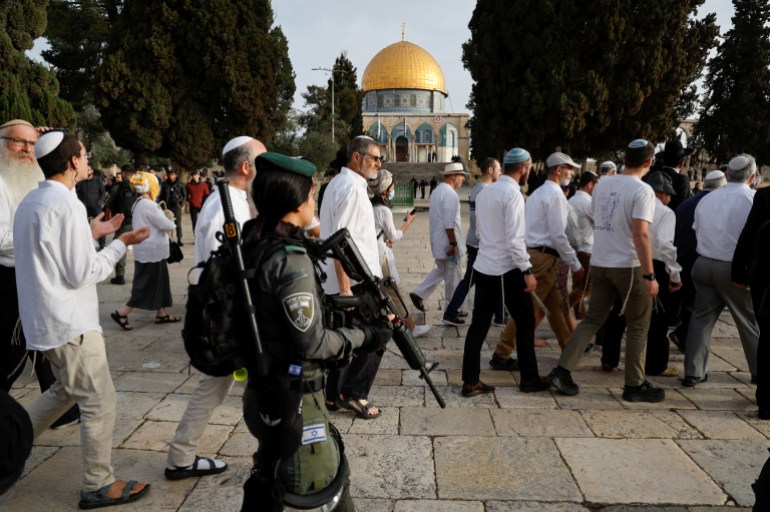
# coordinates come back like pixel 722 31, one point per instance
pixel 581 202
pixel 617 200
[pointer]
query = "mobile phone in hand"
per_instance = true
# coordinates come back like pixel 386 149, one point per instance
pixel 414 210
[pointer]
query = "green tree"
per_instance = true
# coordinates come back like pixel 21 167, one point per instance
pixel 735 117
pixel 583 75
pixel 27 89
pixel 181 77
pixel 348 121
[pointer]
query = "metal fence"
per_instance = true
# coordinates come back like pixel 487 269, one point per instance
pixel 404 196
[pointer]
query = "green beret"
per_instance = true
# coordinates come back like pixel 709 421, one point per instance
pixel 269 161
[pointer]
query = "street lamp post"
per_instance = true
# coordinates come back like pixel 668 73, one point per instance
pixel 331 71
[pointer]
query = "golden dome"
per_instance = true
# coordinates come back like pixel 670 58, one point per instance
pixel 403 65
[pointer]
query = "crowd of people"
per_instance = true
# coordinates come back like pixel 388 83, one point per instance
pixel 644 256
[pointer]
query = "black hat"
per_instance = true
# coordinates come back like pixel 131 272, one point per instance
pixel 661 182
pixel 675 152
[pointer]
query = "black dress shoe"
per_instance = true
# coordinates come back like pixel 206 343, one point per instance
pixel 561 379
pixel 118 280
pixel 417 301
pixel 533 386
pixel 643 393
pixel 690 382
pixel 505 365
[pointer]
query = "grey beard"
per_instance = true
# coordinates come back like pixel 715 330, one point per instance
pixel 18 178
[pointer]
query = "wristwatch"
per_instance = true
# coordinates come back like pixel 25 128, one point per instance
pixel 527 272
pixel 649 277
pixel 453 244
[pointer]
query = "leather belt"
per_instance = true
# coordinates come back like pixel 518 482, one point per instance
pixel 543 248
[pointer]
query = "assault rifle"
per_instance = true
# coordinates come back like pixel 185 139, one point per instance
pixel 373 304
pixel 232 237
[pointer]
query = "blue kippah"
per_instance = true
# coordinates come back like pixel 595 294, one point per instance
pixel 638 143
pixel 516 156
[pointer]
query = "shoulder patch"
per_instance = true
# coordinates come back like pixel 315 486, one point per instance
pixel 299 309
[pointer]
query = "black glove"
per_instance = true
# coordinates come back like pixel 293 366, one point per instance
pixel 375 337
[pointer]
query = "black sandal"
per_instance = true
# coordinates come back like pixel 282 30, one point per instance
pixel 121 320
pixel 360 408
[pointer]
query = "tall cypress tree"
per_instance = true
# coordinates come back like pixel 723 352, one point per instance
pixel 27 89
pixel 181 77
pixel 583 75
pixel 736 112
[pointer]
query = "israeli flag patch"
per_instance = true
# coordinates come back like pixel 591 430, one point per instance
pixel 313 434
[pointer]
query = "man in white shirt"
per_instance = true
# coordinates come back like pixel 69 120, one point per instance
pixel 583 206
pixel 546 237
pixel 667 272
pixel 621 266
pixel 346 205
pixel 719 220
pixel 490 173
pixel 59 308
pixel 19 174
pixel 446 239
pixel 238 158
pixel 503 269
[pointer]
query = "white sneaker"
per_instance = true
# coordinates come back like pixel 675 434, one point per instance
pixel 420 330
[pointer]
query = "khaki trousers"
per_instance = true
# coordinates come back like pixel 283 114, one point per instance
pixel 609 284
pixel 208 395
pixel 82 377
pixel 545 267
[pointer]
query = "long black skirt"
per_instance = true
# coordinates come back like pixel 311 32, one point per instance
pixel 151 289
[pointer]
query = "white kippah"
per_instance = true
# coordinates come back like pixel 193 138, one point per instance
pixel 47 143
pixel 715 175
pixel 739 162
pixel 236 142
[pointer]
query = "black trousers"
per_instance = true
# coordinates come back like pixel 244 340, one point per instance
pixel 686 304
pixel 194 216
pixel 519 305
pixel 763 347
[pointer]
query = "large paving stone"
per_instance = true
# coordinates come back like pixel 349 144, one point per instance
pixel 54 485
pixel 473 468
pixel 589 398
pixel 533 506
pixel 537 423
pixel 718 399
pixel 512 398
pixel 453 398
pixel 721 425
pixel 399 396
pixel 386 423
pixel 240 445
pixel 222 492
pixel 412 378
pixel 734 356
pixel 148 382
pixel 366 505
pixel 157 436
pixel 446 422
pixel 391 467
pixel 733 464
pixel 438 506
pixel 136 405
pixel 603 470
pixel 639 425
pixel 38 455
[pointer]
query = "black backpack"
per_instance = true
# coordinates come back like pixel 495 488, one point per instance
pixel 123 200
pixel 216 331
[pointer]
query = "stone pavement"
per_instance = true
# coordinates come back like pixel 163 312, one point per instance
pixel 699 450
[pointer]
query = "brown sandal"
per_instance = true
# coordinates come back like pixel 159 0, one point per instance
pixel 121 320
pixel 167 319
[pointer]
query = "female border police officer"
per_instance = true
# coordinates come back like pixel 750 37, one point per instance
pixel 300 461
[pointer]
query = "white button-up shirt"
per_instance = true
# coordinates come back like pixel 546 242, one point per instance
pixel 719 220
pixel 444 214
pixel 147 213
pixel 662 239
pixel 547 212
pixel 346 205
pixel 211 220
pixel 57 267
pixel 581 203
pixel 7 210
pixel 500 226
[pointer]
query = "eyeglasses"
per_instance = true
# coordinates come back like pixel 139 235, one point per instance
pixel 19 143
pixel 380 158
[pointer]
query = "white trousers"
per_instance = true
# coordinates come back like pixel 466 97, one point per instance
pixel 447 271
